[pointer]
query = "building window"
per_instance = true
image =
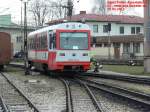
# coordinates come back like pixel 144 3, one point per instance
pixel 98 45
pixel 121 30
pixel 105 28
pixel 138 30
pixel 94 40
pixel 95 28
pixel 19 39
pixel 105 44
pixel 136 47
pixel 126 48
pixel 132 30
pixel 116 45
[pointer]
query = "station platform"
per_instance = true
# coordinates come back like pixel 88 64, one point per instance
pixel 103 72
pixel 17 64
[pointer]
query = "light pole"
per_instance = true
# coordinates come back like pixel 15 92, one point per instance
pixel 21 27
pixel 25 39
pixel 109 41
pixel 109 45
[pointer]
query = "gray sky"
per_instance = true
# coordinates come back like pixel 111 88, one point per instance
pixel 15 8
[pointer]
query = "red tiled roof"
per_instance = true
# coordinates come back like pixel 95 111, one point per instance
pixel 103 18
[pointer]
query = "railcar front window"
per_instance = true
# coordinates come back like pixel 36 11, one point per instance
pixel 73 40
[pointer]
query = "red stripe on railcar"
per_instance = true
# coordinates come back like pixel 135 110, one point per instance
pixel 61 65
pixel 52 60
pixel 40 61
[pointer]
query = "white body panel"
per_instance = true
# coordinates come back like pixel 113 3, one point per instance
pixel 69 56
pixel 31 55
pixel 64 26
pixel 43 55
pixel 38 55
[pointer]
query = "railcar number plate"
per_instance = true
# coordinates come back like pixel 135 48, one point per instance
pixel 73 60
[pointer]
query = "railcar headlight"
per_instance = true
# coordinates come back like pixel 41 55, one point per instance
pixel 62 54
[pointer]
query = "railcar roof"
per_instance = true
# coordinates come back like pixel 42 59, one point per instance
pixel 68 25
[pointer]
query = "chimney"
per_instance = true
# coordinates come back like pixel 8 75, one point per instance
pixel 82 12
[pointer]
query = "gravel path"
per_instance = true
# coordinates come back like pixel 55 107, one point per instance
pixel 112 103
pixel 12 98
pixel 47 93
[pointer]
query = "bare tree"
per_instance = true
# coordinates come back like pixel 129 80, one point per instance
pixel 63 8
pixel 40 10
pixel 58 8
pixel 44 10
pixel 99 6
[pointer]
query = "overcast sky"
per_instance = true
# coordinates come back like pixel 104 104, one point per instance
pixel 14 7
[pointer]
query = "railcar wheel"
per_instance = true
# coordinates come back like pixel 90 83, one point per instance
pixel 30 64
pixel 45 68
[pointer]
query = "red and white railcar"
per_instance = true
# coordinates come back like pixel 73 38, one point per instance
pixel 61 47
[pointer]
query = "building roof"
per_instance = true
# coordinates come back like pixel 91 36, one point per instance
pixel 125 19
pixel 6 23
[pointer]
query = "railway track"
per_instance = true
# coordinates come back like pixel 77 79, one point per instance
pixel 69 99
pixel 96 103
pixel 15 100
pixel 131 78
pixel 134 79
pixel 69 105
pixel 140 98
pixel 3 107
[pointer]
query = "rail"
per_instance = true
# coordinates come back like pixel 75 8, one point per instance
pixel 21 93
pixel 92 96
pixel 69 105
pixel 132 95
pixel 5 109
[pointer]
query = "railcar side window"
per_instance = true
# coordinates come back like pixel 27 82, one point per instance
pixel 52 40
pixel 43 41
pixel 34 44
pixel 40 42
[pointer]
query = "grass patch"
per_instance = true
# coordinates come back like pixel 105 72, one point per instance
pixel 134 70
pixel 21 60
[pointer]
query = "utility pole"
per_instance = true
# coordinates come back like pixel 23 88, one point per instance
pixel 21 28
pixel 147 37
pixel 25 40
pixel 70 8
